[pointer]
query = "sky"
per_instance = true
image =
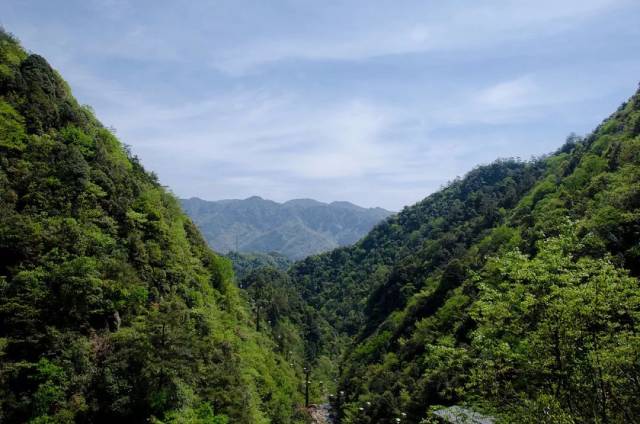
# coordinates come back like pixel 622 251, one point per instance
pixel 375 102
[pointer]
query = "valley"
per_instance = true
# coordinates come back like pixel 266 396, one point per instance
pixel 512 291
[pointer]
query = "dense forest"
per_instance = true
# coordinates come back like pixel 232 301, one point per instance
pixel 245 263
pixel 112 308
pixel 512 291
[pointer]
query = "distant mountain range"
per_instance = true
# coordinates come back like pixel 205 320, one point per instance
pixel 297 228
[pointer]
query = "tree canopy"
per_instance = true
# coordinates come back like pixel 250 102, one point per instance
pixel 513 289
pixel 112 308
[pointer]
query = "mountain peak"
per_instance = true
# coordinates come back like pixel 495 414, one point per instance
pixel 304 202
pixel 345 204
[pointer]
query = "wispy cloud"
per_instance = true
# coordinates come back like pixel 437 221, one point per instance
pixel 423 27
pixel 374 103
pixel 509 94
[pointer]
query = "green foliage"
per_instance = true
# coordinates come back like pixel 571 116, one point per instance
pixel 12 133
pixel 381 272
pixel 203 414
pixel 300 333
pixel 112 308
pixel 246 263
pixel 558 324
pixel 514 289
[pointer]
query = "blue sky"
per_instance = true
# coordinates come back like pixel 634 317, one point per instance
pixel 375 102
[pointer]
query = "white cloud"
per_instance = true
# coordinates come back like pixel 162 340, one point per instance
pixel 424 26
pixel 272 135
pixel 509 94
pixel 279 145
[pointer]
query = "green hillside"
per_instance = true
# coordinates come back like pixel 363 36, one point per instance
pixel 513 290
pixel 398 253
pixel 112 308
pixel 245 263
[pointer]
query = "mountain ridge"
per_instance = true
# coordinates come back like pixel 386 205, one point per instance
pixel 296 228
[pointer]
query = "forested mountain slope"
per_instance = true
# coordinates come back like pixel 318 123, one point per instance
pixel 112 308
pixel 245 263
pixel 514 289
pixel 297 228
pixel 401 250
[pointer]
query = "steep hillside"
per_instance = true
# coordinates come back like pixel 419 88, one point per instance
pixel 297 327
pixel 514 290
pixel 112 308
pixel 342 282
pixel 296 229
